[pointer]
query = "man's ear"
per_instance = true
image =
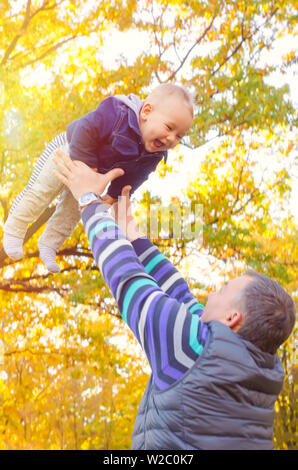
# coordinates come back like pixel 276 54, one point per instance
pixel 147 108
pixel 233 320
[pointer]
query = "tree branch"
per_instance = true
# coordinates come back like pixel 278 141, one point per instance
pixel 45 8
pixel 251 198
pixel 22 30
pixel 47 52
pixel 23 285
pixel 244 38
pixel 191 49
pixel 18 35
pixel 238 188
pixel 30 289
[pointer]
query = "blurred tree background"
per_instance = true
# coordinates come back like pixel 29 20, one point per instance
pixel 71 375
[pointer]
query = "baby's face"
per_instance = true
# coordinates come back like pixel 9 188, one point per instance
pixel 164 125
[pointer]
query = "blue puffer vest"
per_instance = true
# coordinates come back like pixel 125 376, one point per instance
pixel 225 401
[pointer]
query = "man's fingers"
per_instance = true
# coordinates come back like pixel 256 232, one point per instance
pixel 60 177
pixel 113 174
pixel 65 157
pixel 125 191
pixel 65 170
pixel 108 200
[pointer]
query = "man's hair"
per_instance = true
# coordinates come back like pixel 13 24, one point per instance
pixel 170 89
pixel 268 310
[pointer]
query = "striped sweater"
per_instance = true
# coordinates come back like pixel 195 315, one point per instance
pixel 152 296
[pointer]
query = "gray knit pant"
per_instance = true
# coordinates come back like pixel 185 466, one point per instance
pixel 42 189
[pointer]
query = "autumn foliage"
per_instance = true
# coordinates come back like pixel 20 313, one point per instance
pixel 71 374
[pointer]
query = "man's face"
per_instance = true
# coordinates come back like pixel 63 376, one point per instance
pixel 164 125
pixel 220 305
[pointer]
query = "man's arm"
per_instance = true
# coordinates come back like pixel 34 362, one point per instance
pixel 166 275
pixel 155 263
pixel 170 335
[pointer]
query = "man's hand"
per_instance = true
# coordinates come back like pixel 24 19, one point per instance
pixel 108 200
pixel 124 218
pixel 80 178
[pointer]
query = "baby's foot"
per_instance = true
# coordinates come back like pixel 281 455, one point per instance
pixel 13 246
pixel 48 255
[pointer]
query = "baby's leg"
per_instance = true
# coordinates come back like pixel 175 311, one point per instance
pixel 42 188
pixel 59 227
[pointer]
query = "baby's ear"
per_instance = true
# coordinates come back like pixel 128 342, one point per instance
pixel 147 108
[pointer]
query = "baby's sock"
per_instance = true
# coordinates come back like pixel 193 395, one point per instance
pixel 13 246
pixel 48 255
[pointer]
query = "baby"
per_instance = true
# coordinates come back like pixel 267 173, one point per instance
pixel 123 132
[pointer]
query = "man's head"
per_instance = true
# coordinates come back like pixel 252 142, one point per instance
pixel 256 307
pixel 165 117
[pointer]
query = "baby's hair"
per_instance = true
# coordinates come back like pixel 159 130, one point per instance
pixel 169 89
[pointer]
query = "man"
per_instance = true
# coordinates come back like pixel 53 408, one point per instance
pixel 215 372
